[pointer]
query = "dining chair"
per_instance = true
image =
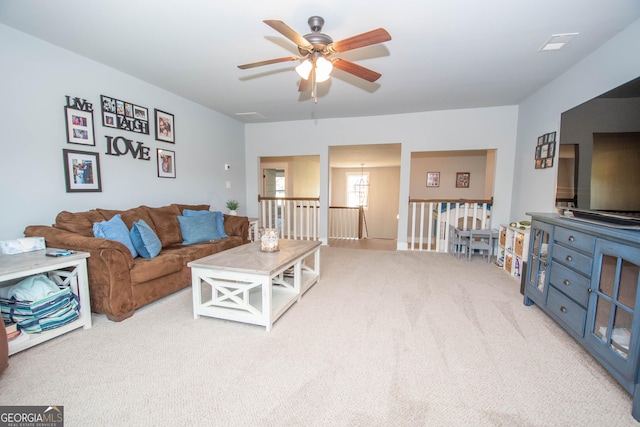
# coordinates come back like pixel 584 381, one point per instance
pixel 458 241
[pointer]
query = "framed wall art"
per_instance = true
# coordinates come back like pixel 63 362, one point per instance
pixel 124 115
pixel 165 127
pixel 462 179
pixel 433 179
pixel 545 150
pixel 82 171
pixel 79 126
pixel 166 163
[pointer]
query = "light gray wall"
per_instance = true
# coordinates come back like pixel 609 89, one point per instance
pixel 616 62
pixel 484 128
pixel 36 76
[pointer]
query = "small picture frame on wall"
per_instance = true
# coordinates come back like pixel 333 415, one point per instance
pixel 82 171
pixel 165 127
pixel 433 179
pixel 166 163
pixel 79 126
pixel 462 179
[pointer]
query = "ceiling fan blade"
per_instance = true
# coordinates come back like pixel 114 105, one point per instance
pixel 305 85
pixel 289 33
pixel 356 70
pixel 361 40
pixel 267 62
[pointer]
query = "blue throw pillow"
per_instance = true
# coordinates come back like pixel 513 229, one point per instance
pixel 219 219
pixel 190 212
pixel 199 228
pixel 115 229
pixel 145 239
pixel 220 223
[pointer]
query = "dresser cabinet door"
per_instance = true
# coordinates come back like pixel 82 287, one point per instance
pixel 537 279
pixel 612 332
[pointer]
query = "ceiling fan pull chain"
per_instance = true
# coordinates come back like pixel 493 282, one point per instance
pixel 314 85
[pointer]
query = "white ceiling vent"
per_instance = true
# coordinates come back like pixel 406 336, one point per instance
pixel 557 42
pixel 250 117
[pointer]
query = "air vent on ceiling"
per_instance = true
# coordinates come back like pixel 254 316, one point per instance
pixel 252 116
pixel 557 42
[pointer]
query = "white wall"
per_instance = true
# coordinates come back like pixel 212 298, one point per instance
pixel 36 76
pixel 616 62
pixel 484 128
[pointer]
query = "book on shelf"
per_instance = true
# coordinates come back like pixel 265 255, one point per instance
pixel 11 327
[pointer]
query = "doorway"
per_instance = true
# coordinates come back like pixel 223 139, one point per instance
pixel 274 182
pixel 377 166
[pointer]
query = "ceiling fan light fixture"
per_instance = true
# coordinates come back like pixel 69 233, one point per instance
pixel 322 77
pixel 323 69
pixel 323 65
pixel 304 69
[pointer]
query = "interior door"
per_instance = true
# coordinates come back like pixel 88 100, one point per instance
pixel 269 182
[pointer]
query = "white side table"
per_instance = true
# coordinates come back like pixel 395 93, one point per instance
pixel 71 269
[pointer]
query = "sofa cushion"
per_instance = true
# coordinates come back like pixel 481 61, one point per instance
pixel 145 269
pixel 78 222
pixel 165 224
pixel 115 229
pixel 129 216
pixel 145 239
pixel 235 225
pixel 199 228
pixel 182 207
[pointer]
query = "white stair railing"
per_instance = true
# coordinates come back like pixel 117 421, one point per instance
pixel 345 222
pixel 294 217
pixel 429 221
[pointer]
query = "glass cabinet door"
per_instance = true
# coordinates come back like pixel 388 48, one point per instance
pixel 537 271
pixel 614 291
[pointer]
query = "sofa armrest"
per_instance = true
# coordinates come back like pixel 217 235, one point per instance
pixel 237 226
pixel 4 349
pixel 62 239
pixel 109 268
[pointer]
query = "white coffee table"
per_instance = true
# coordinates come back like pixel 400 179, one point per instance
pixel 250 286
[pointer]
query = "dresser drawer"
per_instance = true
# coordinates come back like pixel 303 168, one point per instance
pixel 569 282
pixel 574 239
pixel 568 313
pixel 573 259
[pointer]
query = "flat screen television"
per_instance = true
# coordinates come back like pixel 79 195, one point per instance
pixel 599 159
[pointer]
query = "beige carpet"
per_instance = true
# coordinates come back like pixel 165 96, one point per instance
pixel 385 339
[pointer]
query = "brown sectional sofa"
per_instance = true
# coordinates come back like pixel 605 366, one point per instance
pixel 4 349
pixel 118 283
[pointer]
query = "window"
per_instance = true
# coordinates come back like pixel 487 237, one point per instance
pixel 357 189
pixel 280 188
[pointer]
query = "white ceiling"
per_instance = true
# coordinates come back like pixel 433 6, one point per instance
pixel 444 54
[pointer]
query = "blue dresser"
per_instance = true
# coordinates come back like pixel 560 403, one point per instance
pixel 586 277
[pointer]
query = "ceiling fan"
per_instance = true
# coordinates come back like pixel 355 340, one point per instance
pixel 315 50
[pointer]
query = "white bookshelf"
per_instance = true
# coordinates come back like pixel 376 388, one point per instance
pixel 71 269
pixel 513 249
